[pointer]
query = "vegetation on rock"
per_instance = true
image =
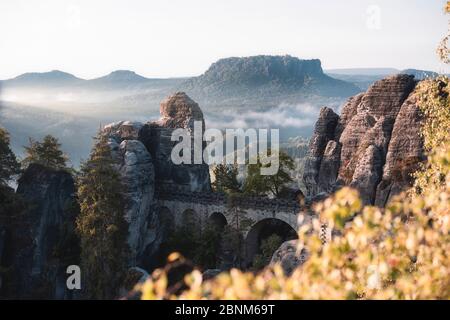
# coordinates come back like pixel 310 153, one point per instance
pixel 268 247
pixel 9 166
pixel 200 247
pixel 46 152
pixel 226 179
pixel 101 224
pixel 258 184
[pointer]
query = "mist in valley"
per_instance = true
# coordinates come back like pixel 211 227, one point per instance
pixel 74 113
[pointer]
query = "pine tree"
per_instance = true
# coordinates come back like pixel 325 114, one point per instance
pixel 101 224
pixel 47 153
pixel 12 208
pixel 238 223
pixel 257 184
pixel 226 178
pixel 9 166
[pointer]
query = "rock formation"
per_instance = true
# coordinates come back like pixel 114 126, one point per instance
pixel 289 256
pixel 266 75
pixel 177 111
pixel 143 156
pixel 374 145
pixel 43 240
pixel 137 172
pixel 323 133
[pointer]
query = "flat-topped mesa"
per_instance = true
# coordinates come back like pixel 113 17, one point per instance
pixel 375 146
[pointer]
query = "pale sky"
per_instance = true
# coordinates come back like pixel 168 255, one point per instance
pixel 167 38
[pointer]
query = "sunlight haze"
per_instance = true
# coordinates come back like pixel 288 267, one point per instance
pixel 182 38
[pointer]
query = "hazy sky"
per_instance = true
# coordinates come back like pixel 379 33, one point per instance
pixel 165 38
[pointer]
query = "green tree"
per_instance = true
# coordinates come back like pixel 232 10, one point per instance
pixel 268 247
pixel 101 224
pixel 238 223
pixel 207 254
pixel 9 166
pixel 258 184
pixel 199 246
pixel 226 178
pixel 12 208
pixel 47 153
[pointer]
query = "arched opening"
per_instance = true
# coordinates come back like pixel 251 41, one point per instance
pixel 264 238
pixel 189 219
pixel 178 235
pixel 218 221
pixel 215 242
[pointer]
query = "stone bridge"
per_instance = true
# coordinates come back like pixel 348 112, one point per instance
pixel 256 217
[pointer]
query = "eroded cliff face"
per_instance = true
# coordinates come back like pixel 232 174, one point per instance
pixel 134 163
pixel 289 256
pixel 142 153
pixel 43 240
pixel 374 146
pixel 177 112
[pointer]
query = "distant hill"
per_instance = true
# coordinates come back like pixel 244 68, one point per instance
pixel 420 74
pixel 256 92
pixel 53 78
pixel 363 71
pixel 365 77
pixel 124 79
pixel 257 81
pixel 120 76
pixel 271 78
pixel 119 79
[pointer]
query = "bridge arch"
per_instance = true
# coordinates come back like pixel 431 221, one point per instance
pixel 190 219
pixel 261 231
pixel 218 220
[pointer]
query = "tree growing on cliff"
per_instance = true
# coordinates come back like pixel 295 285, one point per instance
pixel 226 178
pixel 9 166
pixel 101 224
pixel 12 208
pixel 46 152
pixel 258 184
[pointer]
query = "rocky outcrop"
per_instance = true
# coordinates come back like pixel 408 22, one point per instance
pixel 323 133
pixel 374 145
pixel 177 111
pixel 289 256
pixel 135 165
pixel 44 241
pixel 142 153
pixel 404 154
